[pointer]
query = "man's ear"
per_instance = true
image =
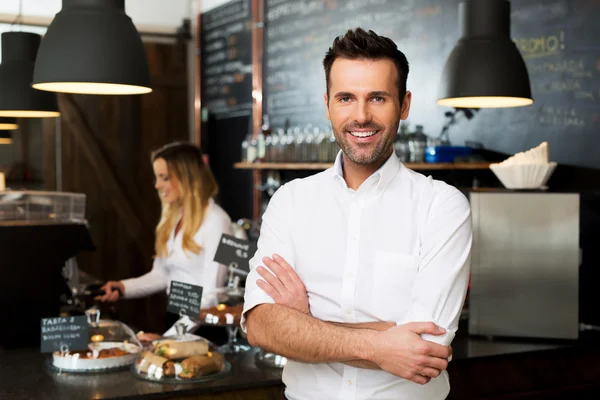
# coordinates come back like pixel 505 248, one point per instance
pixel 405 105
pixel 326 98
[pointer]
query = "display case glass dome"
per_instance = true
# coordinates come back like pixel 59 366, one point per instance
pixel 112 345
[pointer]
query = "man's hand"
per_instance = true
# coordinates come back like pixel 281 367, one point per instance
pixel 285 287
pixel 401 351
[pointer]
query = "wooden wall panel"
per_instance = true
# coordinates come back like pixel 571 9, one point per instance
pixel 106 146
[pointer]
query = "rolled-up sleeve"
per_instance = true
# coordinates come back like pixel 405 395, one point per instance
pixel 274 238
pixel 442 280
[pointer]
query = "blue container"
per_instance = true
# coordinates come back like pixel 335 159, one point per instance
pixel 446 154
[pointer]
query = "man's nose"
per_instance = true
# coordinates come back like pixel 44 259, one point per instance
pixel 362 114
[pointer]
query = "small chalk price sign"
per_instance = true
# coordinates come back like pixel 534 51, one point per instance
pixel 232 250
pixel 64 334
pixel 184 299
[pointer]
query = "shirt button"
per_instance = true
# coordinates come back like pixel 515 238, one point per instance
pixel 350 275
pixel 348 311
pixel 354 237
pixel 349 383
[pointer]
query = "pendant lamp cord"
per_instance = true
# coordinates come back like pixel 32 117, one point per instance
pixel 19 18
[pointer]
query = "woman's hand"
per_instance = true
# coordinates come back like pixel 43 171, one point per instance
pixel 113 290
pixel 285 287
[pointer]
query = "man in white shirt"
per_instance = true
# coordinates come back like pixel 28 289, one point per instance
pixel 367 263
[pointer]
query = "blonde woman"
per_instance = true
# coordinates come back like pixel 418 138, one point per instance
pixel 188 232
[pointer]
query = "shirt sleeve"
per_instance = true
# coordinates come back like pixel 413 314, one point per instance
pixel 213 276
pixel 274 239
pixel 440 286
pixel 153 282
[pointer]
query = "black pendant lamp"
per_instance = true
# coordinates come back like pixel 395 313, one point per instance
pixel 92 47
pixel 5 137
pixel 8 124
pixel 485 69
pixel 17 98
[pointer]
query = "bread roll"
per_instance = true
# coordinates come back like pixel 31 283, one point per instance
pixel 202 365
pixel 148 359
pixel 180 350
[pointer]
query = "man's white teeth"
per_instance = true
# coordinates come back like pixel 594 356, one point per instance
pixel 363 134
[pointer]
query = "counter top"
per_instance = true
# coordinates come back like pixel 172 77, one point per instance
pixel 24 375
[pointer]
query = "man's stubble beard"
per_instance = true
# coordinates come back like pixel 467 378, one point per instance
pixel 382 148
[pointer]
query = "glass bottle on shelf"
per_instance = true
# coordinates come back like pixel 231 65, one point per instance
pixel 274 150
pixel 290 146
pixel 260 146
pixel 266 126
pixel 300 147
pixel 333 147
pixel 309 144
pixel 401 144
pixel 281 152
pixel 264 131
pixel 322 145
pixel 245 145
pixel 268 148
pixel 252 149
pixel 315 154
pixel 417 144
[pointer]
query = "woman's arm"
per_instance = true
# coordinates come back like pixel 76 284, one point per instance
pixel 153 282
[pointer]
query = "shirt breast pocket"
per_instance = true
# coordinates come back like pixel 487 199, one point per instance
pixel 393 278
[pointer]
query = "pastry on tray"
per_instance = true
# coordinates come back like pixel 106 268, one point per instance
pixel 222 315
pixel 174 350
pixel 179 360
pixel 201 365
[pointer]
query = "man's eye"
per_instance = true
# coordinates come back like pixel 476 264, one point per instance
pixel 378 99
pixel 344 99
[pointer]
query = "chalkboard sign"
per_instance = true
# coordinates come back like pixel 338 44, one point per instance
pixel 235 252
pixel 226 53
pixel 64 334
pixel 299 33
pixel 558 39
pixel 184 299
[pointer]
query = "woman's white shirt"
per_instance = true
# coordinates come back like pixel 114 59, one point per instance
pixel 185 266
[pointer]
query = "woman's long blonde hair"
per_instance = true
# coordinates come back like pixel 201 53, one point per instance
pixel 196 187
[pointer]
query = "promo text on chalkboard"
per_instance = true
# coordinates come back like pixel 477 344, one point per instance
pixel 64 334
pixel 184 299
pixel 235 252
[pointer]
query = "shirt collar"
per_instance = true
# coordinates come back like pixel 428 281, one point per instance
pixel 338 165
pixel 385 173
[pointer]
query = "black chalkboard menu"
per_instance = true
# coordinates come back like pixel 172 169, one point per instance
pixel 235 253
pixel 558 39
pixel 64 334
pixel 226 53
pixel 299 33
pixel 184 299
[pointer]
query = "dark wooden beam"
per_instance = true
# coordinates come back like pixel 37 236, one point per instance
pixel 72 115
pixel 258 7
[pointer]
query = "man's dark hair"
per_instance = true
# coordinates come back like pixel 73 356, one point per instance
pixel 359 44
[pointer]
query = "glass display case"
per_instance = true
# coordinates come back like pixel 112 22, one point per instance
pixel 112 345
pixel 41 206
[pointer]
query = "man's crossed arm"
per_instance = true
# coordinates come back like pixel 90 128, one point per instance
pixel 288 328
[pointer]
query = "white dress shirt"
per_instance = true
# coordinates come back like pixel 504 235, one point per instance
pixel 397 250
pixel 187 267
